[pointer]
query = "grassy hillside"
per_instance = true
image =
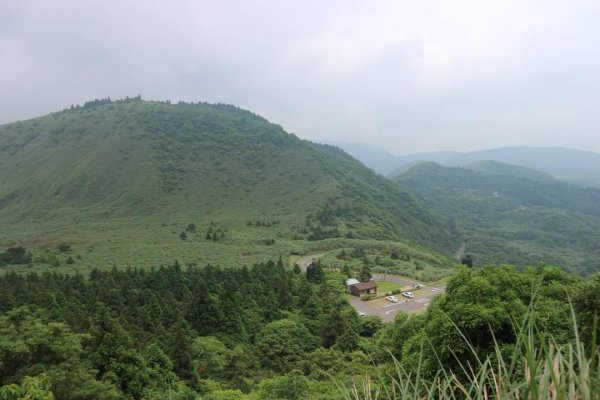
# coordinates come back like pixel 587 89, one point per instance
pixel 139 183
pixel 514 219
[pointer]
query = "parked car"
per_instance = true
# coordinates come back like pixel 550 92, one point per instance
pixel 362 314
pixel 408 295
pixel 393 299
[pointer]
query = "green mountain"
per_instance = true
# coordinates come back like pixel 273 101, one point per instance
pixel 498 168
pixel 138 183
pixel 509 215
pixel 569 165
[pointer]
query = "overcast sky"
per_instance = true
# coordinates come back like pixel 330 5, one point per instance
pixel 410 76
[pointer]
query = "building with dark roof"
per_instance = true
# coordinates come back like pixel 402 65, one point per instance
pixel 362 288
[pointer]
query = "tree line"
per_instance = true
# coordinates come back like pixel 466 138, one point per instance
pixel 266 331
pixel 136 333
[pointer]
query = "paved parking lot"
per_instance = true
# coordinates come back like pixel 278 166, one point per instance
pixel 384 309
pixel 387 310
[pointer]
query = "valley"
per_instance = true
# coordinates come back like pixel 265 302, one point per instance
pixel 276 200
pixel 513 215
pixel 198 251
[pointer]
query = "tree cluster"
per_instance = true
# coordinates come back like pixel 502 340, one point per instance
pixel 172 333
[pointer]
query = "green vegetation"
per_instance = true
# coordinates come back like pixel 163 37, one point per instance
pixel 506 218
pixel 388 288
pixel 96 200
pixel 386 258
pixel 181 334
pixel 16 255
pixel 137 183
pixel 496 334
pixel 569 165
pixel 267 332
pixel 502 169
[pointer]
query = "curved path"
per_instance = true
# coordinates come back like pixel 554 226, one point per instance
pixel 304 262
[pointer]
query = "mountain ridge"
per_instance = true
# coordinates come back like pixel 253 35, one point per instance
pixel 130 175
pixel 571 165
pixel 512 219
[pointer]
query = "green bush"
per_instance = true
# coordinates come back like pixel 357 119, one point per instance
pixel 536 367
pixel 64 247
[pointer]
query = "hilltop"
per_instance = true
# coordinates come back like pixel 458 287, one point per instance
pixel 138 183
pixel 503 169
pixel 508 214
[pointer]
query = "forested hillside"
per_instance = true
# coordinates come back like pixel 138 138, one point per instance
pixel 511 214
pixel 142 183
pixel 498 168
pixel 266 332
pixel 114 216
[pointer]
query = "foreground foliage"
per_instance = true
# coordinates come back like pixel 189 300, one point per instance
pixel 496 334
pixel 267 332
pixel 175 333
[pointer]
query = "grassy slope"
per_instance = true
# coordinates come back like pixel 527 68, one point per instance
pixel 122 180
pixel 513 219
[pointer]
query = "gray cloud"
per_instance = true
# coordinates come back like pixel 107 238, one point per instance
pixel 410 76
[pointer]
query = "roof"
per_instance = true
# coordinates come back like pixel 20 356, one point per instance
pixel 366 285
pixel 352 281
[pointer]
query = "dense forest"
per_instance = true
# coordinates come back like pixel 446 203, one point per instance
pixel 270 332
pixel 172 333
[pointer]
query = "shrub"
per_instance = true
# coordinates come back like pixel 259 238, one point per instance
pixel 15 255
pixel 64 247
pixel 53 261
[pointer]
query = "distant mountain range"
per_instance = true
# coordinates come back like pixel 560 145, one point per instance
pixel 508 214
pixel 571 165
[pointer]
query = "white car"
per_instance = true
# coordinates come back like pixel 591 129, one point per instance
pixel 392 299
pixel 362 314
pixel 408 295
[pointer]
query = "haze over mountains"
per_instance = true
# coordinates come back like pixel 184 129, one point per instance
pixel 140 183
pixel 571 165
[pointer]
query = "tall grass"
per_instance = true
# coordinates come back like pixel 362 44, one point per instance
pixel 538 368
